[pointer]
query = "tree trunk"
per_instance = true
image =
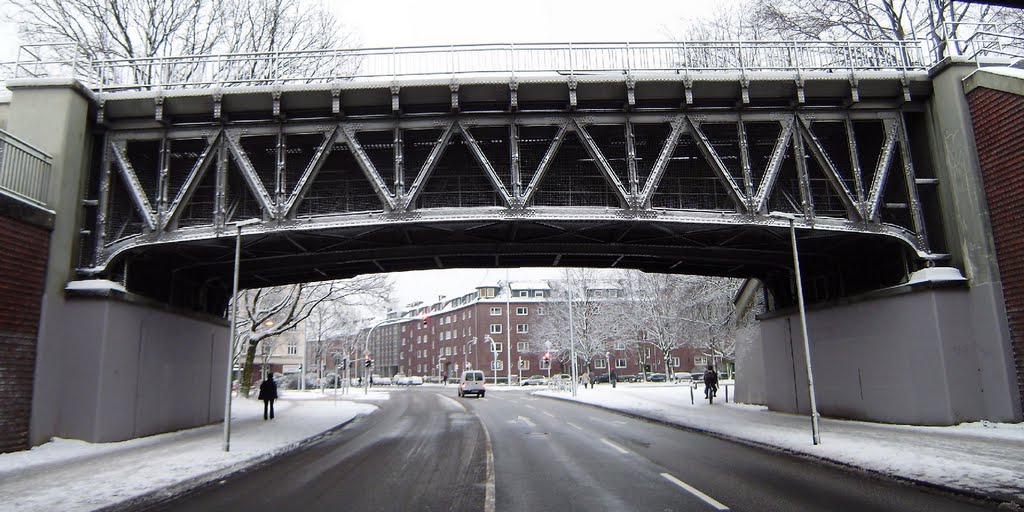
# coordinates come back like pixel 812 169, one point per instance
pixel 250 357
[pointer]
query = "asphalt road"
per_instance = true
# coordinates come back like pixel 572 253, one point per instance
pixel 427 450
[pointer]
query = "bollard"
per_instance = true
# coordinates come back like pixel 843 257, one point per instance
pixel 691 394
pixel 726 393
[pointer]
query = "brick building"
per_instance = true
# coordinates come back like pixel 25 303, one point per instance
pixel 490 330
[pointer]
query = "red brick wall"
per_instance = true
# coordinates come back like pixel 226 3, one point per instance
pixel 998 119
pixel 22 272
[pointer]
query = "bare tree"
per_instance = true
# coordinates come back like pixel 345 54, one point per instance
pixel 267 312
pixel 141 30
pixel 592 329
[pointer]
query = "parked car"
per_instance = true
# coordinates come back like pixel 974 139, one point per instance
pixel 400 379
pixel 381 381
pixel 627 378
pixel 535 380
pixel 697 376
pixel 657 377
pixel 415 381
pixel 599 378
pixel 472 383
pixel 679 377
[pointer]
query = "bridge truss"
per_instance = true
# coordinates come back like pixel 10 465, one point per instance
pixel 704 189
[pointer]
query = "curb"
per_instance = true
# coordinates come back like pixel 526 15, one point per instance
pixel 962 493
pixel 170 492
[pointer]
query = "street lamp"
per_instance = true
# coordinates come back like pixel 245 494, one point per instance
pixel 366 369
pixel 815 435
pixel 494 367
pixel 231 335
pixel 465 352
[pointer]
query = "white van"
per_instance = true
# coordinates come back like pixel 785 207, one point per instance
pixel 472 383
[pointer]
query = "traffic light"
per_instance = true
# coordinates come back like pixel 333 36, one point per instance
pixel 547 357
pixel 368 363
pixel 425 320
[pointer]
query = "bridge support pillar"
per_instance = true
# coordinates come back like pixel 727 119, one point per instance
pixel 922 354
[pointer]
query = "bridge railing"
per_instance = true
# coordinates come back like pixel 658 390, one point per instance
pixel 24 169
pixel 326 66
pixel 984 40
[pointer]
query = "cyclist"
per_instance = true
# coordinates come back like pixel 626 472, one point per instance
pixel 710 382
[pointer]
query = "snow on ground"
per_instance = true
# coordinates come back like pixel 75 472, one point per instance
pixel 71 475
pixel 980 458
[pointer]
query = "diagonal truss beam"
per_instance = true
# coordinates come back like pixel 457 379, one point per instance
pixel 428 166
pixel 545 164
pixel 134 186
pixel 667 150
pixel 771 174
pixel 379 187
pixel 853 208
pixel 310 173
pixel 195 176
pixel 881 170
pixel 737 196
pixel 481 159
pixel 602 162
pixel 250 176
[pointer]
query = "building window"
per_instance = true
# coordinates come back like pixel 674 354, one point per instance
pixel 524 364
pixel 538 293
pixel 620 362
pixel 293 347
pixel 620 345
pixel 522 328
pixel 470 313
pixel 495 328
pixel 545 365
pixel 495 311
pixel 496 346
pixel 524 293
pixel 522 311
pixel 600 363
pixel 647 351
pixel 266 348
pixel 674 361
pixel 541 310
pixel 523 346
pixel 496 364
pixel 700 361
pixel 487 293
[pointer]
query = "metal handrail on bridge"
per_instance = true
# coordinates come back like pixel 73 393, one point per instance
pixel 533 59
pixel 24 169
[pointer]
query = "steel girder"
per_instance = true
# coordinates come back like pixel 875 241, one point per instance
pixel 150 178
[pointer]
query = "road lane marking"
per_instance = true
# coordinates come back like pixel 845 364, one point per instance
pixel 526 420
pixel 688 488
pixel 489 484
pixel 573 425
pixel 613 445
pixel 454 401
pixel 528 406
pixel 549 414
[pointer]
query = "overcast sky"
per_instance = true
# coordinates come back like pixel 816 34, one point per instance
pixel 417 22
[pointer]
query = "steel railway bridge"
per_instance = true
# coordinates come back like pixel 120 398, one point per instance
pixel 666 157
pixel 665 170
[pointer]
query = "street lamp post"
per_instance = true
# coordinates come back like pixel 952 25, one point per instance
pixel 815 434
pixel 231 335
pixel 608 361
pixel 366 369
pixel 494 357
pixel 465 352
pixel 439 361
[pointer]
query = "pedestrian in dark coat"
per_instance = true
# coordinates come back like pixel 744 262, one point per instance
pixel 268 393
pixel 710 382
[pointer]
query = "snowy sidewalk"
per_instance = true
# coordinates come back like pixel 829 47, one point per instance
pixel 981 459
pixel 69 475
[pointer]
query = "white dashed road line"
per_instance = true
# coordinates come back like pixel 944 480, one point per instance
pixel 690 489
pixel 613 445
pixel 549 414
pixel 573 425
pixel 526 420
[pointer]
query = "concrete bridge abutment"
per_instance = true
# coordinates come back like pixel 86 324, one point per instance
pixel 108 367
